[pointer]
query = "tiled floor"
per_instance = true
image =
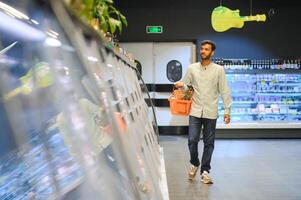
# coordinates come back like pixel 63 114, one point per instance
pixel 241 170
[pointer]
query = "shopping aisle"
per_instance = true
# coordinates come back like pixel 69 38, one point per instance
pixel 241 170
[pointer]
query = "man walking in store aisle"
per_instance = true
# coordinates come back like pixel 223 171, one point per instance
pixel 208 81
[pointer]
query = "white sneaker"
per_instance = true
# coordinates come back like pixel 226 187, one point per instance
pixel 205 178
pixel 192 172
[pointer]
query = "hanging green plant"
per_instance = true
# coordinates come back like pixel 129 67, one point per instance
pixel 101 13
pixel 109 17
pixel 83 8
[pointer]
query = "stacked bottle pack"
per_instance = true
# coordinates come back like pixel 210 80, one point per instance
pixel 262 96
pixel 243 64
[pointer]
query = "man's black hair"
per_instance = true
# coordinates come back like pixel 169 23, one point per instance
pixel 213 46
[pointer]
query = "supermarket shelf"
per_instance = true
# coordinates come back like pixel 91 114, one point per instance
pixel 278 94
pixel 276 102
pixel 256 103
pixel 294 105
pixel 243 93
pixel 263 102
pixel 271 93
pixel 257 114
pixel 293 82
pixel 262 71
pixel 243 114
pixel 240 102
pixel 260 125
pixel 283 83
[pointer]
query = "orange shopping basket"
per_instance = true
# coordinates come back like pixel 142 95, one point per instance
pixel 179 106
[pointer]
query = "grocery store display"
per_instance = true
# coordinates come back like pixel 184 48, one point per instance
pixel 266 90
pixel 267 64
pixel 76 114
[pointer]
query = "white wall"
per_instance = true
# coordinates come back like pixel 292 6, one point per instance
pixel 154 58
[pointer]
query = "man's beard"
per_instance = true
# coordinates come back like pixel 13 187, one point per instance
pixel 206 57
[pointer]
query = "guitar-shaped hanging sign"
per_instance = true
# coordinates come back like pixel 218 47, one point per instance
pixel 222 19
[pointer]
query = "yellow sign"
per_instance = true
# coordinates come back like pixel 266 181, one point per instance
pixel 222 19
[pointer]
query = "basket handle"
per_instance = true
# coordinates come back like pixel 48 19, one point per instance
pixel 173 90
pixel 173 87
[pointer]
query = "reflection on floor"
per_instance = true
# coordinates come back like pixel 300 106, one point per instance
pixel 241 170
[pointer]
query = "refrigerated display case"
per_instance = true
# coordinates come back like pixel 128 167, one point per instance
pixel 72 111
pixel 263 97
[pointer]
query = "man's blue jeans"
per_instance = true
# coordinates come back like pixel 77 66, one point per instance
pixel 195 126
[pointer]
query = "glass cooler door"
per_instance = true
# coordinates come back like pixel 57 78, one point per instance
pixel 64 138
pixel 264 97
pixel 243 90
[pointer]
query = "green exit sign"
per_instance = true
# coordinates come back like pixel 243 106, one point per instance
pixel 154 29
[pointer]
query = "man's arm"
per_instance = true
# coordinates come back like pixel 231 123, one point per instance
pixel 185 81
pixel 225 92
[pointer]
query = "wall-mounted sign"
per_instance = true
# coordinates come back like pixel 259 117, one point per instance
pixel 222 19
pixel 154 29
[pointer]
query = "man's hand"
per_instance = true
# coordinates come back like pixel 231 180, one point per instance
pixel 227 119
pixel 179 84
